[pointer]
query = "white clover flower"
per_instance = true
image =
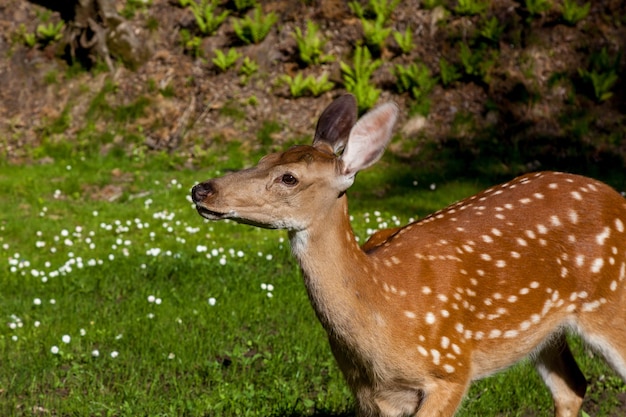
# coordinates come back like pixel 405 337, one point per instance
pixel 151 298
pixel 269 257
pixel 37 323
pixel 83 332
pixel 158 301
pixel 212 301
pixel 171 356
pixel 270 295
pixel 37 301
pixel 53 301
pixel 201 248
pixel 14 338
pixel 95 353
pixel 54 350
pixel 66 338
pixel 270 287
pixel 114 354
pixel 222 261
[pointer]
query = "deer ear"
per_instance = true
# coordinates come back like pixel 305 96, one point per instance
pixel 335 123
pixel 368 139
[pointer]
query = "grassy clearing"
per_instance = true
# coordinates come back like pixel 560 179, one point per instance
pixel 140 307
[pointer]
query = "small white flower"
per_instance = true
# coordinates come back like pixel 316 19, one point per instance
pixel 37 323
pixel 54 350
pixel 212 301
pixel 264 286
pixel 83 332
pixel 95 353
pixel 66 338
pixel 114 354
pixel 270 295
pixel 269 257
pixel 150 315
pixel 14 338
pixel 171 356
pixel 222 261
pixel 37 301
pixel 53 301
pixel 270 287
pixel 157 301
pixel 151 298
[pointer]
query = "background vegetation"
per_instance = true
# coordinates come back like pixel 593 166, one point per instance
pixel 117 299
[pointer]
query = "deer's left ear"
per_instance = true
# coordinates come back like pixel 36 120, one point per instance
pixel 368 139
pixel 335 123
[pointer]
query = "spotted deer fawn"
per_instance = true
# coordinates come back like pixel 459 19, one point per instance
pixel 420 311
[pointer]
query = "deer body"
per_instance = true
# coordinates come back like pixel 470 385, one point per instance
pixel 419 312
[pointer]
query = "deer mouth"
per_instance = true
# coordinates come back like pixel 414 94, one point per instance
pixel 210 214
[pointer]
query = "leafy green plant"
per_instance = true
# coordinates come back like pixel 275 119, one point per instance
pixel 191 44
pixel 491 30
pixel 205 14
pixel 299 86
pixel 404 40
pixel 224 61
pixel 379 9
pixel 477 63
pixel 601 74
pixel 375 33
pixel 431 4
pixel 448 72
pixel 357 79
pixel 132 6
pixel 241 5
pixel 254 29
pixel 48 33
pixel 311 45
pixel 471 7
pixel 29 38
pixel 320 85
pixel 247 69
pixel 536 7
pixel 416 79
pixel 573 13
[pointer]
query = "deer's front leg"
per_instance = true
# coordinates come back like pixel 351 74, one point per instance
pixel 442 398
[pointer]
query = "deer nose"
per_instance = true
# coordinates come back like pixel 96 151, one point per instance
pixel 201 191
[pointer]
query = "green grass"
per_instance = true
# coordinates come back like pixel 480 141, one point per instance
pixel 135 280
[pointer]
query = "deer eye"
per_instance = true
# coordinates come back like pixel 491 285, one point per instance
pixel 289 180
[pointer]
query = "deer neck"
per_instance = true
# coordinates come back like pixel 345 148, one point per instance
pixel 334 269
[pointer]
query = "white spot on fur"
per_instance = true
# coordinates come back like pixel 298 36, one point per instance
pixel 619 226
pixel 576 195
pixel 602 237
pixel 445 342
pixel 555 221
pixel 573 216
pixel 436 356
pixel 597 264
pixel 430 318
pixel 410 314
